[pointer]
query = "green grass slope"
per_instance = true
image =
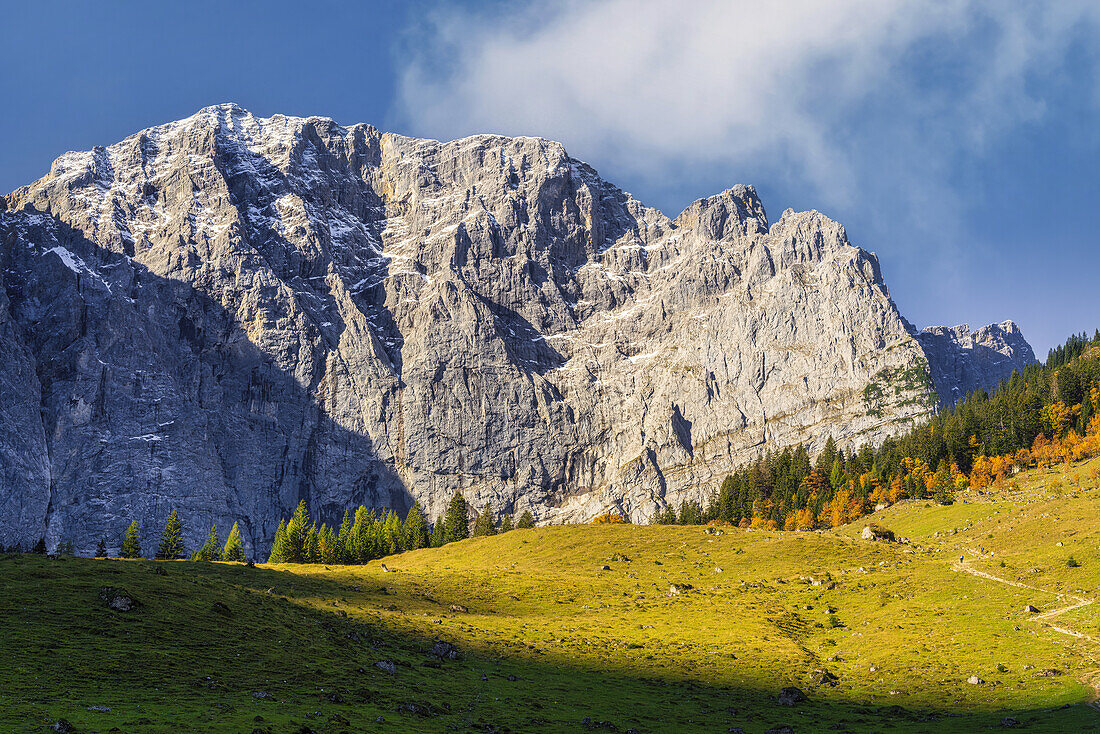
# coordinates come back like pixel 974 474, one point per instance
pixel 550 640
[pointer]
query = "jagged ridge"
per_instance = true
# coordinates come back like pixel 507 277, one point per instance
pixel 226 314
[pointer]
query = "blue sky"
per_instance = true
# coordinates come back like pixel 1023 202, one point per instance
pixel 959 140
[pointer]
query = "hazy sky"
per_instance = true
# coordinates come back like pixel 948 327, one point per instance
pixel 960 140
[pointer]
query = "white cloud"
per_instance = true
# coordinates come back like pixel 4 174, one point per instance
pixel 844 99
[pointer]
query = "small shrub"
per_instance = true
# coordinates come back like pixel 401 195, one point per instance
pixel 1072 562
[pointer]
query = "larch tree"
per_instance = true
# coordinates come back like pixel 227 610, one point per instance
pixel 131 544
pixel 211 549
pixel 485 523
pixel 234 548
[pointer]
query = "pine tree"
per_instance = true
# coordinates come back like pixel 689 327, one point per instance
pixel 438 535
pixel 101 549
pixel 484 523
pixel 456 523
pixel 131 545
pixel 526 520
pixel 171 540
pixel 416 528
pixel 211 549
pixel 343 539
pixel 506 523
pixel 234 548
pixel 278 545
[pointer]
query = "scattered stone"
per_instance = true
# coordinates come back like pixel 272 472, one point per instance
pixel 221 608
pixel 415 709
pixel 459 609
pixel 975 680
pixel 605 568
pixel 117 599
pixel 1030 609
pixel 262 695
pixel 63 726
pixel 335 697
pixel 338 719
pixel 1009 722
pixel 791 695
pixel 386 666
pixel 512 678
pixel 381 719
pixel 824 678
pixel 100 709
pixel 1059 544
pixel 1046 673
pixel 781 729
pixel 877 532
pixel 620 558
pixel 444 650
pixel 677 589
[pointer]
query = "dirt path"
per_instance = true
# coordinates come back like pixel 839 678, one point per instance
pixel 1091 679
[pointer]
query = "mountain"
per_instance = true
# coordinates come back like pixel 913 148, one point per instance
pixel 226 314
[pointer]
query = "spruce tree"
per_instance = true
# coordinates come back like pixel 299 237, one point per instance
pixel 484 523
pixel 944 485
pixel 131 545
pixel 343 539
pixel 393 539
pixel 328 546
pixel 311 553
pixel 101 549
pixel 278 545
pixel 506 523
pixel 171 540
pixel 526 520
pixel 297 532
pixel 234 548
pixel 211 549
pixel 456 523
pixel 438 534
pixel 360 546
pixel 416 528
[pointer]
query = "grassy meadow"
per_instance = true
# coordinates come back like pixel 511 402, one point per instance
pixel 576 628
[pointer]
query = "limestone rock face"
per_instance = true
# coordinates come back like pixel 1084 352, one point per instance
pixel 227 314
pixel 962 361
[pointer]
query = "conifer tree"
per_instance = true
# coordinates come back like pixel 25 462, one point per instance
pixel 101 549
pixel 234 548
pixel 506 523
pixel 484 523
pixel 456 523
pixel 297 531
pixel 131 545
pixel 393 539
pixel 211 549
pixel 328 551
pixel 360 546
pixel 311 553
pixel 526 520
pixel 343 539
pixel 944 485
pixel 438 534
pixel 171 540
pixel 416 528
pixel 278 545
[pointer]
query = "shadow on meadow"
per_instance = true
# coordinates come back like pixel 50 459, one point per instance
pixel 221 647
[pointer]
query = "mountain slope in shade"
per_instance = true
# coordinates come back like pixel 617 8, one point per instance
pixel 227 314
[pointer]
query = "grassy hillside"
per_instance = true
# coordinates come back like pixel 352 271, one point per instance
pixel 550 638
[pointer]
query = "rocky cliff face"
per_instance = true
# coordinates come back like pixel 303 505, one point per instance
pixel 227 314
pixel 962 361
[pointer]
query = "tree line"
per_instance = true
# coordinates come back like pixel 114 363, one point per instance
pixel 366 535
pixel 1046 414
